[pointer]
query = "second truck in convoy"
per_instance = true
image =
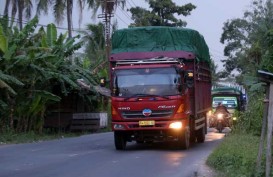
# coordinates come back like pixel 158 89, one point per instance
pixel 160 82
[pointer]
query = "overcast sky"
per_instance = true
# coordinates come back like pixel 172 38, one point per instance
pixel 208 18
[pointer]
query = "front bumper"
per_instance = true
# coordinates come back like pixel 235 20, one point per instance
pixel 135 126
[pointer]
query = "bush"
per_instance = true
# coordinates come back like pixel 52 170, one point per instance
pixel 236 155
pixel 251 120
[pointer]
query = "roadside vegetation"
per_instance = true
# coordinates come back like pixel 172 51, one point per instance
pixel 236 156
pixel 40 63
pixel 11 137
pixel 39 66
pixel 249 48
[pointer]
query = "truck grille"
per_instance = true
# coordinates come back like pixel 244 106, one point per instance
pixel 155 114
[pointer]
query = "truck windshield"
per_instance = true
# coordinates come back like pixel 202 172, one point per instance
pixel 150 81
pixel 229 102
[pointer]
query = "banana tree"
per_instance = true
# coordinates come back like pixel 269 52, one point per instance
pixel 39 60
pixel 6 80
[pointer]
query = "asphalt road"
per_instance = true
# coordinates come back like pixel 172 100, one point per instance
pixel 94 155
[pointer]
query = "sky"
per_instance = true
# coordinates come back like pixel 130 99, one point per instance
pixel 208 18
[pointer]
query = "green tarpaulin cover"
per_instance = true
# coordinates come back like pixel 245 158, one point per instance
pixel 159 38
pixel 230 90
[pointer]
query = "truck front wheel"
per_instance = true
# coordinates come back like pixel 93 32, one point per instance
pixel 120 140
pixel 184 140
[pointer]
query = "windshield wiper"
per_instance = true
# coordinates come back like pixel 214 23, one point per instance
pixel 145 95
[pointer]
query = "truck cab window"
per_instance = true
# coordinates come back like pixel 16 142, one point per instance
pixel 152 81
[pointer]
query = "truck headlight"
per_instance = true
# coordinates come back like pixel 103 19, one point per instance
pixel 175 125
pixel 220 116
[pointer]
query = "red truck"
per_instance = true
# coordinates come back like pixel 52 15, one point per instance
pixel 160 82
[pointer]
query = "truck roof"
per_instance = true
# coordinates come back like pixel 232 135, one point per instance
pixel 158 39
pixel 225 90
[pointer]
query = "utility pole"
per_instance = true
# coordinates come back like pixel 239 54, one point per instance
pixel 108 7
pixel 107 13
pixel 268 79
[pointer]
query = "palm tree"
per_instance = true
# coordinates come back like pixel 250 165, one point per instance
pixel 94 38
pixel 6 11
pixel 60 7
pixel 23 7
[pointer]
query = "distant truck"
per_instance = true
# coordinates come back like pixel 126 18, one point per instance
pixel 160 85
pixel 231 97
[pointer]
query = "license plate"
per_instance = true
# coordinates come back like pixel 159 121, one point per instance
pixel 146 122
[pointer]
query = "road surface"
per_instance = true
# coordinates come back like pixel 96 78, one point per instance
pixel 94 155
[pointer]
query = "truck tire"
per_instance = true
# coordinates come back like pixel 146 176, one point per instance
pixel 184 140
pixel 139 141
pixel 120 141
pixel 201 134
pixel 220 127
pixel 192 133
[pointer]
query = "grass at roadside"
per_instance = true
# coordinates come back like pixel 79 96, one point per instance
pixel 235 156
pixel 11 137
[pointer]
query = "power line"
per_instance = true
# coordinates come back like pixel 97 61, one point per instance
pixel 122 20
pixel 10 19
pixel 124 13
pixel 130 3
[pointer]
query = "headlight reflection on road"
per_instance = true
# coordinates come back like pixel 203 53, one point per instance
pixel 211 136
pixel 174 158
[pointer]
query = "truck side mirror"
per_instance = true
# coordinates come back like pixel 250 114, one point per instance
pixel 180 87
pixel 189 79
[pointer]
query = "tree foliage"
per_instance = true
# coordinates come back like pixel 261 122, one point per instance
pixel 33 65
pixel 20 9
pixel 249 47
pixel 246 39
pixel 64 9
pixel 161 13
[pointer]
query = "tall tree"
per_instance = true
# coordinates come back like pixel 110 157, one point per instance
pixel 6 11
pixel 20 8
pixel 64 8
pixel 94 38
pixel 162 14
pixel 246 38
pixel 249 47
